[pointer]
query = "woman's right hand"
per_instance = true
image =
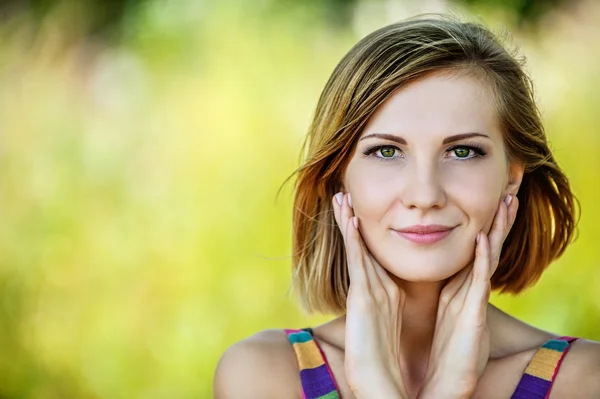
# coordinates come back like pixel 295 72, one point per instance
pixel 373 316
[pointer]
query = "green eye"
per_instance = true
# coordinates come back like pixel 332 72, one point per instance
pixel 462 152
pixel 388 152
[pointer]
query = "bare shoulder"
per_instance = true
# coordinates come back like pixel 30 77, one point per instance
pixel 579 375
pixel 263 365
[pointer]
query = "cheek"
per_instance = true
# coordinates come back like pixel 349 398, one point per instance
pixel 474 188
pixel 372 197
pixel 477 194
pixel 372 190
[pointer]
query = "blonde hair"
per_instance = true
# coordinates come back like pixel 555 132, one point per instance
pixel 373 69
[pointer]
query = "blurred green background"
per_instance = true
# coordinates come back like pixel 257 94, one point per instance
pixel 142 144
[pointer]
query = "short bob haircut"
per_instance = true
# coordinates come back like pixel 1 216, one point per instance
pixel 371 72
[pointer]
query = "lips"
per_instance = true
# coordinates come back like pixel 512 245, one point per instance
pixel 425 234
pixel 425 229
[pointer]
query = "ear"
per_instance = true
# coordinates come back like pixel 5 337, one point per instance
pixel 515 177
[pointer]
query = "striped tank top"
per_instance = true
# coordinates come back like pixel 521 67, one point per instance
pixel 318 381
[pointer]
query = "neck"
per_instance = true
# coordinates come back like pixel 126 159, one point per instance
pixel 418 326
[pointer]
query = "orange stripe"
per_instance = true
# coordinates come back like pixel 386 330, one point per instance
pixel 543 363
pixel 308 355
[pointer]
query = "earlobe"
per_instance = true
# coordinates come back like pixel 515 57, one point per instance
pixel 515 177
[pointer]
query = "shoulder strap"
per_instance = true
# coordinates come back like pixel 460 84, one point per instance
pixel 539 375
pixel 315 374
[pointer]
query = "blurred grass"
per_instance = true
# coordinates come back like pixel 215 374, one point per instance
pixel 141 235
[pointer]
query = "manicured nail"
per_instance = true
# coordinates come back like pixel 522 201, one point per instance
pixel 350 200
pixel 508 199
pixel 355 222
pixel 339 197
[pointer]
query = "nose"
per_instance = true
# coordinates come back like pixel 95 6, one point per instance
pixel 423 187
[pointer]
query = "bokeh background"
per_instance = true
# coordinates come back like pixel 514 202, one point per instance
pixel 142 144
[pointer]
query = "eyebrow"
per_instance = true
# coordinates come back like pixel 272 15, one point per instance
pixel 400 140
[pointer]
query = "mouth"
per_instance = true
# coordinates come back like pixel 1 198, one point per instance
pixel 424 234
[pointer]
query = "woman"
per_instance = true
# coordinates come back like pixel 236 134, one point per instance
pixel 428 181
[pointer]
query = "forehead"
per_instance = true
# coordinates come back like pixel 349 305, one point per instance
pixel 440 104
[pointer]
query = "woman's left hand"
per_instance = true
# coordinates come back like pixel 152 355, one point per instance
pixel 461 344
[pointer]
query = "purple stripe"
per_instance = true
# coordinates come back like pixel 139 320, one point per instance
pixel 531 387
pixel 316 382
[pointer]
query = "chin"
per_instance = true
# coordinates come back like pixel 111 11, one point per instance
pixel 423 276
pixel 425 268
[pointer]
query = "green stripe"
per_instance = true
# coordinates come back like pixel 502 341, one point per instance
pixel 330 395
pixel 555 344
pixel 299 337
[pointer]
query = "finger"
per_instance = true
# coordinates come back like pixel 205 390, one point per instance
pixel 479 292
pixel 513 207
pixel 464 287
pixel 355 257
pixel 455 283
pixel 354 250
pixel 381 272
pixel 346 216
pixel 336 201
pixel 497 235
pixel 482 258
pixel 377 278
pixel 383 278
pixel 374 281
pixel 340 212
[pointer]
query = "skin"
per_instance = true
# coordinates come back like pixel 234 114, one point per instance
pixel 418 323
pixel 422 182
pixel 375 307
pixel 432 154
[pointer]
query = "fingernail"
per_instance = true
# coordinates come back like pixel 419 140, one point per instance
pixel 478 236
pixel 355 222
pixel 350 200
pixel 508 199
pixel 339 197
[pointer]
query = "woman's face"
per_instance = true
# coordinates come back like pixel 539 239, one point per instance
pixel 427 175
